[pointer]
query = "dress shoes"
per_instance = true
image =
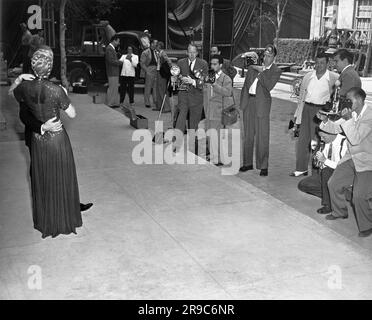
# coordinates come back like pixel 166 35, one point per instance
pixel 365 233
pixel 332 217
pixel 298 173
pixel 324 210
pixel 147 106
pixel 246 168
pixel 85 207
pixel 264 172
pixel 218 164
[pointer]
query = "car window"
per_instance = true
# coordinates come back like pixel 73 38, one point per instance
pixel 129 40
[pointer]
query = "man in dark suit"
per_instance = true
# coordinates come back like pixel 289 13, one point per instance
pixel 191 101
pixel 255 101
pixel 32 124
pixel 349 77
pixel 227 67
pixel 113 72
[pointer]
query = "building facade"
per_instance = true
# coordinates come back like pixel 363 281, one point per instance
pixel 343 14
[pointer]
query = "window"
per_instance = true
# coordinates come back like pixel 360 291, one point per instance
pixel 363 15
pixel 48 23
pixel 327 15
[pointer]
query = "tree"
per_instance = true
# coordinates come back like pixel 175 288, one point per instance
pixel 273 13
pixel 62 42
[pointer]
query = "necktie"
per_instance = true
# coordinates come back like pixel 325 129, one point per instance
pixel 190 67
pixel 330 152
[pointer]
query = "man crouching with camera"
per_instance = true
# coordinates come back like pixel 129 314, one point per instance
pixel 355 168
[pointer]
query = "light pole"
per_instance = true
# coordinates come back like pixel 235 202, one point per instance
pixel 166 23
pixel 260 27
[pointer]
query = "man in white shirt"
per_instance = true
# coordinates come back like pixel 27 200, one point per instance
pixel 127 75
pixel 326 160
pixel 315 91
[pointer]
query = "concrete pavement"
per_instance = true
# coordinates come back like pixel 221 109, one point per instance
pixel 166 231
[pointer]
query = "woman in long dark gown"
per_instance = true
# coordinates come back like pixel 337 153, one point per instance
pixel 55 193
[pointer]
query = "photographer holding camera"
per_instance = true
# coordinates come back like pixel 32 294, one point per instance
pixel 218 97
pixel 355 168
pixel 255 101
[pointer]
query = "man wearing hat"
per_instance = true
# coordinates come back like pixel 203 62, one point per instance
pixel 255 101
pixel 326 160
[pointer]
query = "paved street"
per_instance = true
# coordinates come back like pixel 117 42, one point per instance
pixel 174 231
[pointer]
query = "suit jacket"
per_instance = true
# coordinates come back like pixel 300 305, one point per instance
pixel 349 78
pixel 333 76
pixel 359 138
pixel 112 62
pixel 200 64
pixel 219 96
pixel 228 69
pixel 267 79
pixel 31 123
pixel 145 61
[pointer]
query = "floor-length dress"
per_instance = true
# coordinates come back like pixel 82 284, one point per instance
pixel 55 193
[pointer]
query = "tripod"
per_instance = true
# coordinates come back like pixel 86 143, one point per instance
pixel 159 136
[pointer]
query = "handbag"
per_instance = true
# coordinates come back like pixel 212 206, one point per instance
pixel 230 114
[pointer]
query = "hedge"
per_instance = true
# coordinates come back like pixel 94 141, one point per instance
pixel 294 50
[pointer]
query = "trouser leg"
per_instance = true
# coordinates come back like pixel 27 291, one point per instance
pixel 307 132
pixel 325 175
pixel 130 87
pixel 112 98
pixel 311 185
pixel 161 90
pixel 150 85
pixel 122 88
pixel 249 123
pixel 195 116
pixel 214 141
pixel 182 112
pixel 362 200
pixel 262 142
pixel 342 177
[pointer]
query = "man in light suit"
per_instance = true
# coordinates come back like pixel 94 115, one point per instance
pixel 227 67
pixel 149 62
pixel 112 71
pixel 219 96
pixel 355 168
pixel 255 101
pixel 191 101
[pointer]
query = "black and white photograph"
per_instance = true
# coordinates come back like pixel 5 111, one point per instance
pixel 212 151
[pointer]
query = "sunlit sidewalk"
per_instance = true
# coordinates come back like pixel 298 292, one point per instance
pixel 165 231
